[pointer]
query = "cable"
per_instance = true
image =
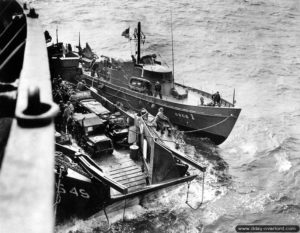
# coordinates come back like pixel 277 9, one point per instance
pixel 108 229
pixel 187 194
pixel 208 127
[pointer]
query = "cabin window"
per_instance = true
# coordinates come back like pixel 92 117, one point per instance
pixel 162 77
pixel 139 85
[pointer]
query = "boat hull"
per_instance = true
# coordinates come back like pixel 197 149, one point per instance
pixel 83 198
pixel 79 198
pixel 214 123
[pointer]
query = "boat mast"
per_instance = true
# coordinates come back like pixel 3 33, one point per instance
pixel 139 43
pixel 173 74
pixel 56 35
pixel 233 98
pixel 79 44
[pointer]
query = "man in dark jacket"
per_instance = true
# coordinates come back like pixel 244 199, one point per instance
pixel 216 98
pixel 157 89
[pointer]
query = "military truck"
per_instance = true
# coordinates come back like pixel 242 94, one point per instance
pixel 89 131
pixel 116 124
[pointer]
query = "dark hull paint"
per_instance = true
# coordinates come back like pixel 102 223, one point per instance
pixel 82 198
pixel 216 122
pixel 79 198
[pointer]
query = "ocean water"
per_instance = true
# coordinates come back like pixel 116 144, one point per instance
pixel 250 45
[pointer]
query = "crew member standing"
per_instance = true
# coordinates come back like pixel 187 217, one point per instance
pixel 202 100
pixel 157 89
pixel 216 98
pixel 160 120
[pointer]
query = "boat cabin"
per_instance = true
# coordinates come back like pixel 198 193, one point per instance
pixel 140 84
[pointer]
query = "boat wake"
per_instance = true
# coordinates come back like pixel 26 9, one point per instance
pixel 280 154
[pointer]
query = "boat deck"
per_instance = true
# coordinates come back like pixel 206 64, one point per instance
pixel 120 167
pixel 193 98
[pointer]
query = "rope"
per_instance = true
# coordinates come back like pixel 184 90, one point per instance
pixel 157 138
pixel 58 197
pixel 208 127
pixel 124 209
pixel 108 229
pixel 187 194
pixel 124 214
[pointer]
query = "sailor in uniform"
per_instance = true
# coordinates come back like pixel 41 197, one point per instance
pixel 161 120
pixel 157 89
pixel 216 98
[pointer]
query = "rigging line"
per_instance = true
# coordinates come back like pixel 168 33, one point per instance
pixel 127 102
pixel 124 209
pixel 157 138
pixel 108 229
pixel 187 194
pixel 208 127
pixel 173 74
pixel 58 197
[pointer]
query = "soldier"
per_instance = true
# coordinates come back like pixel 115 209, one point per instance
pixel 67 115
pixel 202 100
pixel 160 120
pixel 157 89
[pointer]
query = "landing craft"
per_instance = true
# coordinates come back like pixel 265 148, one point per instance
pixel 89 182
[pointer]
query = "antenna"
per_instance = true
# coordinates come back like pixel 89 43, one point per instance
pixel 79 45
pixel 173 74
pixel 139 43
pixel 56 34
pixel 233 98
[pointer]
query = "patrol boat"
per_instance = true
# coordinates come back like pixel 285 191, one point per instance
pixel 132 84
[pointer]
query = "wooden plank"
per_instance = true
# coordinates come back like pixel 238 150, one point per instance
pixel 136 183
pixel 135 188
pixel 128 182
pixel 127 172
pixel 123 167
pixel 119 179
pixel 123 160
pixel 132 171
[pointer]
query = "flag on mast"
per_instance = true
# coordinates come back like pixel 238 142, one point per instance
pixel 126 33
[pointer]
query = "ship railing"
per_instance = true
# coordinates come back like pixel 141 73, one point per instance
pixel 27 177
pixel 224 103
